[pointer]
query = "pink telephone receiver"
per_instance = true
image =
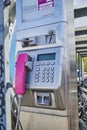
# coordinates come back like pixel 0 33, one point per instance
pixel 20 75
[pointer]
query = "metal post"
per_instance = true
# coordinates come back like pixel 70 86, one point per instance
pixel 79 65
pixel 2 70
pixel 80 71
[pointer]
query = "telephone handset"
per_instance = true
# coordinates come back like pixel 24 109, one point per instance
pixel 20 75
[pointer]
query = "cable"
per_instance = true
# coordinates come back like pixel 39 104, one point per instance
pixel 13 99
pixel 15 113
pixel 51 33
pixel 50 39
pixel 19 109
pixel 16 118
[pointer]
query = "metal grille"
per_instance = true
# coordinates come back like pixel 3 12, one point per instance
pixel 2 74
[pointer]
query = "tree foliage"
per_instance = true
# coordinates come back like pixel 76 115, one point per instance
pixel 85 64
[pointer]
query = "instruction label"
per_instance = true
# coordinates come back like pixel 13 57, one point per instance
pixel 36 9
pixel 43 4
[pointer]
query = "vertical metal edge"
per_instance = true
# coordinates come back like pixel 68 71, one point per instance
pixel 72 61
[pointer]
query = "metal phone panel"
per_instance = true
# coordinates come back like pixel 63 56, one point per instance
pixel 46 73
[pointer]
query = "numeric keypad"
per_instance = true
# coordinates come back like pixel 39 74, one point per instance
pixel 45 72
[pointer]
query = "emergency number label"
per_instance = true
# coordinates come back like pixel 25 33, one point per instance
pixel 43 4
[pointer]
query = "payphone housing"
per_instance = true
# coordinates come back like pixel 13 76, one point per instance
pixel 44 78
pixel 45 34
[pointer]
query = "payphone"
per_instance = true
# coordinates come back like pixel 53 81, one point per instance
pixel 43 65
pixel 43 77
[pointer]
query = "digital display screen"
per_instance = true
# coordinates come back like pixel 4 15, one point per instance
pixel 45 57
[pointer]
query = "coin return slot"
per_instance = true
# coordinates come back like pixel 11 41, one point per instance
pixel 44 99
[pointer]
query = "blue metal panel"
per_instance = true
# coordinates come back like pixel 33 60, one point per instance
pixel 36 17
pixel 12 54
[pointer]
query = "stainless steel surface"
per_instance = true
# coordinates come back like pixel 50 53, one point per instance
pixel 62 113
pixel 44 122
pixel 9 19
pixel 10 122
pixel 72 67
pixel 43 31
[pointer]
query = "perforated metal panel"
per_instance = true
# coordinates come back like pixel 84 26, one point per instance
pixel 2 75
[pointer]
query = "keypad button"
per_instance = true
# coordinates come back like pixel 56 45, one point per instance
pixel 43 76
pixel 37 69
pixel 51 80
pixel 53 63
pixel 42 63
pixel 47 63
pixel 47 80
pixel 38 64
pixel 37 76
pixel 52 72
pixel 43 69
pixel 43 72
pixel 36 80
pixel 52 68
pixel 37 72
pixel 43 80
